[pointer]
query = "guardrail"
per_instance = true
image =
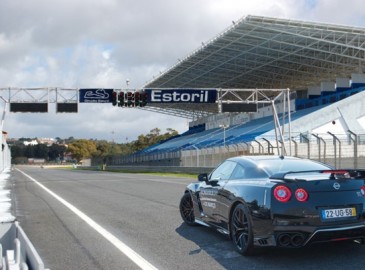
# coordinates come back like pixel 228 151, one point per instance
pixel 17 251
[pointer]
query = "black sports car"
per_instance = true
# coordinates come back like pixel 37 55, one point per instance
pixel 262 201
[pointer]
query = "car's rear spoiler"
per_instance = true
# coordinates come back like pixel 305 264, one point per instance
pixel 334 174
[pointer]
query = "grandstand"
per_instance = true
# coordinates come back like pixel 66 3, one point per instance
pixel 322 65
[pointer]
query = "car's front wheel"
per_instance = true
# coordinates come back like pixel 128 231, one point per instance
pixel 241 230
pixel 187 209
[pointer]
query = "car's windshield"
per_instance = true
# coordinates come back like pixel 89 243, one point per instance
pixel 290 165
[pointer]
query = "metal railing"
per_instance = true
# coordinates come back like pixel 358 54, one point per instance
pixel 17 252
pixel 338 150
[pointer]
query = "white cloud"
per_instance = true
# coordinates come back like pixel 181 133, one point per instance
pixel 91 43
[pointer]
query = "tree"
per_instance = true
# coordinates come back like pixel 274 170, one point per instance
pixel 127 148
pixel 170 133
pixel 152 138
pixel 41 151
pixel 17 150
pixel 29 151
pixel 56 152
pixel 105 150
pixel 81 149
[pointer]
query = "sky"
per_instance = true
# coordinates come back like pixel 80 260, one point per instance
pixel 104 44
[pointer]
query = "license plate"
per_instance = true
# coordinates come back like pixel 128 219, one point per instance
pixel 338 213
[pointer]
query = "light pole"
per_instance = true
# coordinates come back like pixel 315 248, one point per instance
pixel 113 136
pixel 224 133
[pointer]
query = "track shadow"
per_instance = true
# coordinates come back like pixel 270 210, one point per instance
pixel 337 255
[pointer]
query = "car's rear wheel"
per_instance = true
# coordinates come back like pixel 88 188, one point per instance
pixel 187 209
pixel 241 230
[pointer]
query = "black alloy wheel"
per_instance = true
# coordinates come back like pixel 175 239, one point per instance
pixel 241 230
pixel 187 209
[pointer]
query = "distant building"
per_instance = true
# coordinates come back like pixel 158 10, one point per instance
pixel 67 157
pixel 36 161
pixel 32 142
pixel 46 141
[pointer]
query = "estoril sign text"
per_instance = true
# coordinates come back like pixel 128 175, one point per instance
pixel 181 95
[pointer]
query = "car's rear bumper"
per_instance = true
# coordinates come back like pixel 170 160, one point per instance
pixel 294 237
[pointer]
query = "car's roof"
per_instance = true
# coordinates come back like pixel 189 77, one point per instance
pixel 276 164
pixel 266 157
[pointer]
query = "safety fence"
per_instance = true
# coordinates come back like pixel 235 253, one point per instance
pixel 17 251
pixel 5 156
pixel 338 150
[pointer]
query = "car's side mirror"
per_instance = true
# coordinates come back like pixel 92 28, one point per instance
pixel 203 177
pixel 213 182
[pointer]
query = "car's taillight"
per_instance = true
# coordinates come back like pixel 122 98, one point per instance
pixel 301 195
pixel 282 193
pixel 338 174
pixel 336 171
pixel 362 191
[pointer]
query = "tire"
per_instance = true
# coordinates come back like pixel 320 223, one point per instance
pixel 187 209
pixel 241 230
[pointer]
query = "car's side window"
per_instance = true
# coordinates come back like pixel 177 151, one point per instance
pixel 223 171
pixel 238 172
pixel 249 172
pixel 254 173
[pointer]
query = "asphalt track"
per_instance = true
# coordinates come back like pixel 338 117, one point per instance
pixel 139 213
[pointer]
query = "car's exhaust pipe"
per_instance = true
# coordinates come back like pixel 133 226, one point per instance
pixel 291 239
pixel 284 240
pixel 297 240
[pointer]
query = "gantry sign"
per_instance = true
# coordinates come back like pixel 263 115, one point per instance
pixel 67 99
pixel 214 100
pixel 183 102
pixel 140 98
pixel 210 100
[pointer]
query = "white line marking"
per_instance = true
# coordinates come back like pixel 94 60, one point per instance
pixel 153 180
pixel 130 253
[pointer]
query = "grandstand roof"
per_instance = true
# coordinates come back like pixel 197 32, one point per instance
pixel 265 53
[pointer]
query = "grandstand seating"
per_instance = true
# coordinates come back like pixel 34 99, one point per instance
pixel 199 138
pixel 329 97
pixel 194 129
pixel 215 137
